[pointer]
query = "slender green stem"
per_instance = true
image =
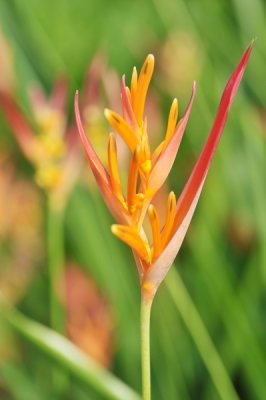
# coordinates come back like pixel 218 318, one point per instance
pixel 56 259
pixel 55 249
pixel 145 314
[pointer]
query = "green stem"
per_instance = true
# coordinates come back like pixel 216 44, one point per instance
pixel 145 314
pixel 56 259
pixel 55 249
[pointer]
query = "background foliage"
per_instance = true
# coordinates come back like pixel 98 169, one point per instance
pixel 223 260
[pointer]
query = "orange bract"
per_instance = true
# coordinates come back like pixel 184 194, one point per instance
pixel 149 169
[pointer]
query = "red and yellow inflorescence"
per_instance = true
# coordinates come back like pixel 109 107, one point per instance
pixel 148 171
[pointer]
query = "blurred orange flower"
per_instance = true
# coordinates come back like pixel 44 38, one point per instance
pixel 53 150
pixel 88 316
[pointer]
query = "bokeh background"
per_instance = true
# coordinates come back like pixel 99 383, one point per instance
pixel 213 303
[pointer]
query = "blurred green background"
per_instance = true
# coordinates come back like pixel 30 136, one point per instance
pixel 222 263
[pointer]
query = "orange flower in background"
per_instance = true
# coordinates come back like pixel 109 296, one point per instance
pixel 148 171
pixel 89 319
pixel 48 143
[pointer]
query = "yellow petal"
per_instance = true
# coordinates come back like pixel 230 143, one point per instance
pixel 113 167
pixel 155 226
pixel 134 85
pixel 172 119
pixel 170 217
pixel 132 181
pixel 131 237
pixel 122 128
pixel 142 88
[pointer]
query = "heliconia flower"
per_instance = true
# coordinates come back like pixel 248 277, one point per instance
pixel 148 171
pixel 48 143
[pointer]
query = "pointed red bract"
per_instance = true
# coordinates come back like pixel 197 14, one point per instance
pixel 188 200
pixel 99 172
pixel 93 159
pixel 204 160
pixel 23 133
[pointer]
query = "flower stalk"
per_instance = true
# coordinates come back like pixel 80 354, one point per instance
pixel 56 263
pixel 55 250
pixel 145 316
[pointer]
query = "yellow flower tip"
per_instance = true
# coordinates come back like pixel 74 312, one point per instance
pixel 122 128
pixel 152 212
pixel 118 231
pixel 114 229
pixel 134 84
pixel 140 197
pixel 175 108
pixel 172 120
pixel 112 142
pixel 149 62
pixel 148 67
pixel 112 117
pixel 146 166
pixel 171 201
pixel 107 113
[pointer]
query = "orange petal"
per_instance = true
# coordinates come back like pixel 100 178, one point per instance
pixel 134 86
pixel 132 181
pixel 142 88
pixel 173 115
pixel 113 167
pixel 122 128
pixel 167 157
pixel 157 272
pixel 155 226
pixel 131 237
pixel 170 217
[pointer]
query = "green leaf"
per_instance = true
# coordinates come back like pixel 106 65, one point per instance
pixel 71 358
